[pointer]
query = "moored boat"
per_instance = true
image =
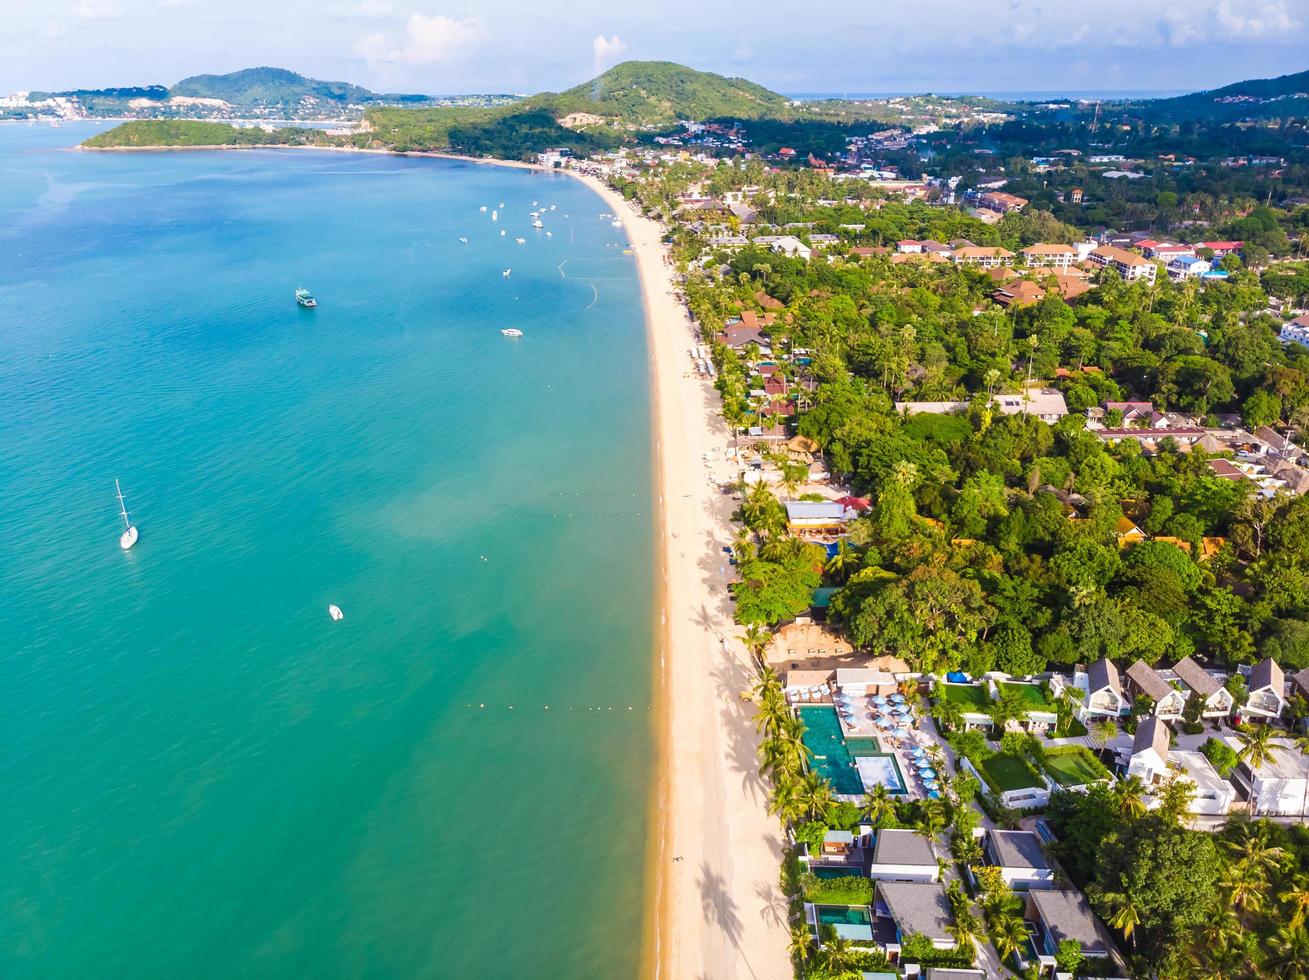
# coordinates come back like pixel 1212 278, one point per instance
pixel 305 298
pixel 130 534
pixel 512 332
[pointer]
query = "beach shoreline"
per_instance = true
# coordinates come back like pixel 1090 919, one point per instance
pixel 715 853
pixel 431 154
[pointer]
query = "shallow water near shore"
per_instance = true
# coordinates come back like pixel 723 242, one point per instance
pixel 203 774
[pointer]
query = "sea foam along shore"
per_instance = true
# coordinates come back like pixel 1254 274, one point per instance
pixel 714 858
pixel 715 864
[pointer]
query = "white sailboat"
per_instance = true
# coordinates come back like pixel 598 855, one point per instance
pixel 129 535
pixel 334 611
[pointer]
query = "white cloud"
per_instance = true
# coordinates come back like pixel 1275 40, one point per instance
pixel 374 8
pixel 427 40
pixel 97 9
pixel 607 50
pixel 1255 18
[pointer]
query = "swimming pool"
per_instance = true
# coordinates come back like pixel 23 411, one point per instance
pixel 880 768
pixel 829 756
pixel 843 915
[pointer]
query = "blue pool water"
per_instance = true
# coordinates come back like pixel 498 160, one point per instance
pixel 830 756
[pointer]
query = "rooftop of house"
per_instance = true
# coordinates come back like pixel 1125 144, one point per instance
pixel 903 847
pixel 1147 679
pixel 1045 248
pixel 1267 673
pixel 1112 253
pixel 917 907
pixel 1018 849
pixel 1033 401
pixel 814 510
pixel 1285 761
pixel 1301 681
pixel 1102 674
pixel 1196 677
pixel 1067 915
pixel 1151 733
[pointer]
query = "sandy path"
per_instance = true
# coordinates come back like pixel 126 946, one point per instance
pixel 719 913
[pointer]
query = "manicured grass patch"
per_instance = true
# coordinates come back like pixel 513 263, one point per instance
pixel 1073 765
pixel 1033 697
pixel 845 890
pixel 968 696
pixel 1004 772
pixel 1075 729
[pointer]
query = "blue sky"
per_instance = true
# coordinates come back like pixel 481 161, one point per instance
pixel 514 45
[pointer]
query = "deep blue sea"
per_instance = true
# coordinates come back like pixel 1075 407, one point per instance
pixel 203 775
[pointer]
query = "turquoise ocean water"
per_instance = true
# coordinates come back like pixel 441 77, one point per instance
pixel 200 773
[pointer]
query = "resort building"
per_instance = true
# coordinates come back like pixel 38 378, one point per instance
pixel 1216 700
pixel 1050 256
pixel 814 517
pixel 1267 698
pixel 1061 915
pixel 1103 692
pixel 1212 794
pixel 1149 754
pixel 1047 404
pixel 1280 787
pixel 1127 264
pixel 903 855
pixel 913 907
pixel 1020 857
pixel 983 256
pixel 1144 681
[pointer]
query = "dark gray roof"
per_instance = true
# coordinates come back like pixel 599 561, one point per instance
pixel 1067 915
pixel 952 973
pixel 1018 849
pixel 903 847
pixel 1301 680
pixel 1148 681
pixel 1151 733
pixel 1266 673
pixel 1102 674
pixel 1193 676
pixel 918 906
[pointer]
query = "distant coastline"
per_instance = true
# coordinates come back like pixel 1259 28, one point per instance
pixel 435 154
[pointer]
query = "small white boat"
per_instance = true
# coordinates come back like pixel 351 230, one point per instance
pixel 495 215
pixel 549 234
pixel 506 273
pixel 534 204
pixel 537 223
pixel 512 332
pixel 484 209
pixel 552 207
pixel 617 223
pixel 129 535
pixel 521 241
pixel 502 204
pixel 334 611
pixel 463 239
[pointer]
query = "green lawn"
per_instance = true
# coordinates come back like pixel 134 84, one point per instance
pixel 970 697
pixel 1008 773
pixel 1033 696
pixel 1074 768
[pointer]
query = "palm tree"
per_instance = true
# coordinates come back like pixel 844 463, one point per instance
pixel 772 715
pixel 816 794
pixel 768 682
pixel 1124 915
pixel 802 944
pixel 756 639
pixel 1288 953
pixel 949 714
pixel 1131 796
pixel 839 955
pixel 878 803
pixel 932 819
pixel 785 802
pixel 1296 898
pixel 1253 853
pixel 841 564
pixel 967 927
pixel 1256 745
pixel 1008 933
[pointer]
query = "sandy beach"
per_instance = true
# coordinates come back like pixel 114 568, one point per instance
pixel 716 854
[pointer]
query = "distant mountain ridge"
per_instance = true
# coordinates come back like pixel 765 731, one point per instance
pixel 262 86
pixel 1286 95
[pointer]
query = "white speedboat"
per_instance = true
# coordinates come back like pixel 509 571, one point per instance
pixel 495 215
pixel 549 234
pixel 512 332
pixel 502 233
pixel 130 534
pixel 617 222
pixel 538 223
pixel 506 273
pixel 521 241
pixel 463 239
pixel 334 611
pixel 484 209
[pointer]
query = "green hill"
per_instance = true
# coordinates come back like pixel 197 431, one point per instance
pixel 191 132
pixel 643 93
pixel 1259 98
pixel 269 86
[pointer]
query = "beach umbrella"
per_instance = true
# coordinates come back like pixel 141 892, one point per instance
pixel 878 699
pixel 927 772
pixel 918 752
pixel 933 794
pixel 901 732
pixel 896 698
